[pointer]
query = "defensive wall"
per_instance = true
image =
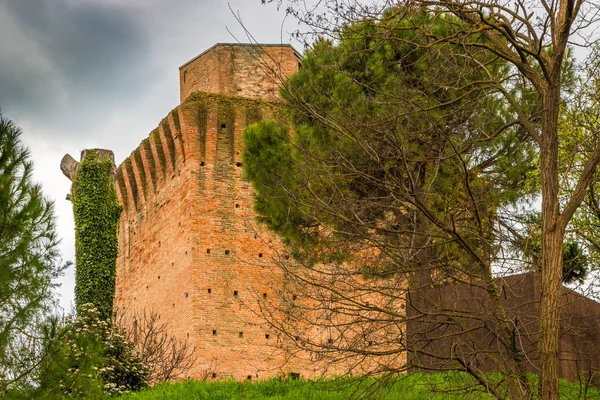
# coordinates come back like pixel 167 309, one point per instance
pixel 189 249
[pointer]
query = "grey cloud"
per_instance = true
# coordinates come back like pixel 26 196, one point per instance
pixel 81 45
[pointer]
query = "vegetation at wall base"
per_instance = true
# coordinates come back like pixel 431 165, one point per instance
pixel 407 387
pixel 97 213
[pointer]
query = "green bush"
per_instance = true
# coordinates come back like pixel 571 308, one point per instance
pixel 89 358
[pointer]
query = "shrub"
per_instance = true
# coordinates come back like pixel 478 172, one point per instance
pixel 89 357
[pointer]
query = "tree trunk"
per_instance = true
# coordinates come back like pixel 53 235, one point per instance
pixel 552 243
pixel 550 313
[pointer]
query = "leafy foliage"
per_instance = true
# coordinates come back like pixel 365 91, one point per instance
pixel 28 243
pixel 97 213
pixel 396 140
pixel 88 358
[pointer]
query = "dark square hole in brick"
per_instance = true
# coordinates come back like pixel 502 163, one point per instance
pixel 235 293
pixel 249 377
pixel 214 374
pixel 209 290
pixel 207 251
pixel 237 206
pixel 226 252
pixel 294 375
pixel 264 295
pixel 241 334
pixel 294 297
pixel 238 164
pixel 159 277
pixel 214 331
pixel 329 341
pixel 259 255
pixel 223 126
pixel 202 163
pixel 267 336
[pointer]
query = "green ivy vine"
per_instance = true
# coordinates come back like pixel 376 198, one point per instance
pixel 97 211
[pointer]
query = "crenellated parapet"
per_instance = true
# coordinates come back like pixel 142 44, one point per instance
pixel 206 125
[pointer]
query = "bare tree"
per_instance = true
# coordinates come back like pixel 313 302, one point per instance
pixel 168 357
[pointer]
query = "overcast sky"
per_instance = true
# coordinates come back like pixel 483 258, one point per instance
pixel 77 74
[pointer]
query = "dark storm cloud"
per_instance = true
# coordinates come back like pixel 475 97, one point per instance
pixel 76 46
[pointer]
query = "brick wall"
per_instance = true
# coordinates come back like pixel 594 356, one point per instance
pixel 190 249
pixel 239 70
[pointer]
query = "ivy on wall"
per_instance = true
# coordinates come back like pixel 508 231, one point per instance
pixel 97 213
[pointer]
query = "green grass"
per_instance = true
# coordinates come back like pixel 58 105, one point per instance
pixel 413 387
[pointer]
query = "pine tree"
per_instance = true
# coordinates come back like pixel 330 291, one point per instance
pixel 28 242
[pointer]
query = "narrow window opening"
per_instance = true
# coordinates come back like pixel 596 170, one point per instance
pixel 264 295
pixel 214 374
pixel 237 205
pixel 259 255
pixel 202 163
pixel 184 76
pixel 249 377
pixel 185 294
pixel 207 251
pixel 235 293
pixel 329 341
pixel 294 297
pixel 146 287
pixel 267 336
pixel 214 332
pixel 241 334
pixel 159 277
pixel 209 290
pixel 173 305
pixel 172 264
pixel 238 164
pixel 226 252
pixel 223 126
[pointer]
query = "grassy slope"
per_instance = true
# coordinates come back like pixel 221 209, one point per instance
pixel 414 387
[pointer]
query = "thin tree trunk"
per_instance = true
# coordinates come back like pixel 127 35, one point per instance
pixel 550 314
pixel 552 244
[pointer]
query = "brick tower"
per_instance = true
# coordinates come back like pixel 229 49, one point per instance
pixel 188 246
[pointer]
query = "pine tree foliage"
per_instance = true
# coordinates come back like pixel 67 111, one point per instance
pixel 28 243
pixel 384 155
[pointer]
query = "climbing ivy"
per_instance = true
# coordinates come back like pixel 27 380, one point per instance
pixel 97 212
